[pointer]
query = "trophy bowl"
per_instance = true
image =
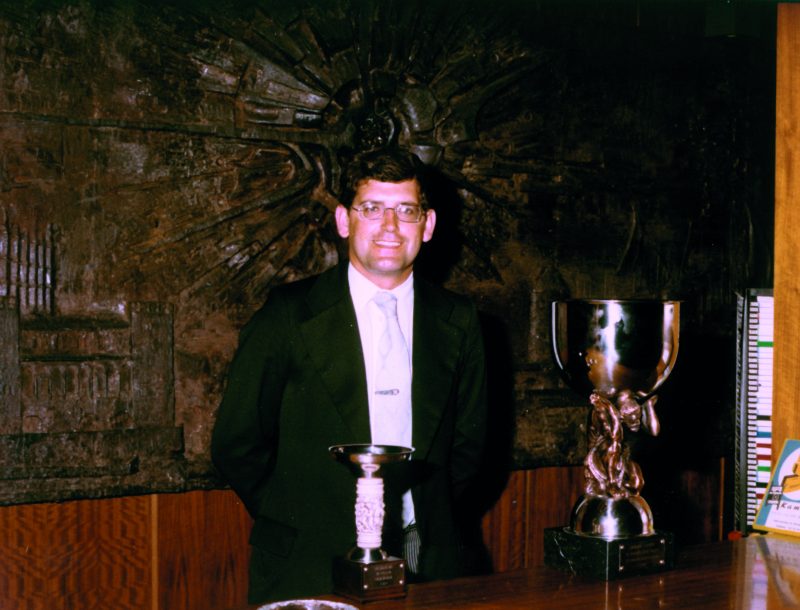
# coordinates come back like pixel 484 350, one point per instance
pixel 359 456
pixel 608 346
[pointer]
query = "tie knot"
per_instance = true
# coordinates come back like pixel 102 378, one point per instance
pixel 387 303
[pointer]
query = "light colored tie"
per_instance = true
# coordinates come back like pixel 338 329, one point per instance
pixel 393 379
pixel 393 387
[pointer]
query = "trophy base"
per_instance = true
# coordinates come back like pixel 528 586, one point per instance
pixel 384 579
pixel 608 559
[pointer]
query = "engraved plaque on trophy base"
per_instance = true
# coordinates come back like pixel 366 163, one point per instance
pixel 608 559
pixel 384 579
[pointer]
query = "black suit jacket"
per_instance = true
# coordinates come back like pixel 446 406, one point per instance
pixel 297 385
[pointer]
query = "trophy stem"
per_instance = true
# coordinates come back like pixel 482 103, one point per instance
pixel 609 469
pixel 369 512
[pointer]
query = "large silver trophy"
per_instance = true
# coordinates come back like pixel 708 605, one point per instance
pixel 618 352
pixel 367 572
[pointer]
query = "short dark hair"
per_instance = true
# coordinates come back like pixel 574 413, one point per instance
pixel 386 165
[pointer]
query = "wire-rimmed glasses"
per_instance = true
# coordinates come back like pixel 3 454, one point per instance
pixel 405 212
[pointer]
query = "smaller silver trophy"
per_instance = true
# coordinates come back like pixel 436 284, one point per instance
pixel 367 572
pixel 619 352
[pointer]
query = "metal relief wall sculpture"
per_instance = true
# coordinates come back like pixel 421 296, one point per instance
pixel 163 165
pixel 86 401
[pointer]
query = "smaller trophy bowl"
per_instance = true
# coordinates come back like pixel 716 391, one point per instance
pixel 609 346
pixel 365 459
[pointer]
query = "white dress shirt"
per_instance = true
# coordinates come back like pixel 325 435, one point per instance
pixel 370 322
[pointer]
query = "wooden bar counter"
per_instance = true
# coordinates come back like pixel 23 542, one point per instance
pixel 754 573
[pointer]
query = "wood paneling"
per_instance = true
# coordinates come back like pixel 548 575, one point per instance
pixel 190 550
pixel 513 530
pixel 554 492
pixel 786 379
pixel 203 550
pixel 701 512
pixel 533 500
pixel 134 553
pixel 76 555
pixel 505 526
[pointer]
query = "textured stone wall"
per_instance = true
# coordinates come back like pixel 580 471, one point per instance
pixel 163 165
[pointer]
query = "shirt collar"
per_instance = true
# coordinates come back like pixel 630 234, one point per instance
pixel 362 289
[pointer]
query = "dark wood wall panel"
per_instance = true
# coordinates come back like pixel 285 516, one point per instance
pixel 533 500
pixel 553 493
pixel 704 519
pixel 76 555
pixel 190 550
pixel 203 550
pixel 504 527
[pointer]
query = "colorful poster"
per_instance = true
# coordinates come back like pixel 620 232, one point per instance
pixel 780 508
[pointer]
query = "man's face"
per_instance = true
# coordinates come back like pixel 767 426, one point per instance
pixel 384 249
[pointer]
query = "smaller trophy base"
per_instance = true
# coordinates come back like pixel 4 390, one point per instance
pixel 608 559
pixel 384 579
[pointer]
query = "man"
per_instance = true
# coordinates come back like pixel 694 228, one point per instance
pixel 310 373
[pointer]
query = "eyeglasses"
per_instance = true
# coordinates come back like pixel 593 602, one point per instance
pixel 405 212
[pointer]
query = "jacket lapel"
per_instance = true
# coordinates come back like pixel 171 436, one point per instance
pixel 330 333
pixel 434 358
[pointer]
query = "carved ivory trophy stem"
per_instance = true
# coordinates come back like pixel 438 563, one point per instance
pixel 619 353
pixel 369 513
pixel 367 572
